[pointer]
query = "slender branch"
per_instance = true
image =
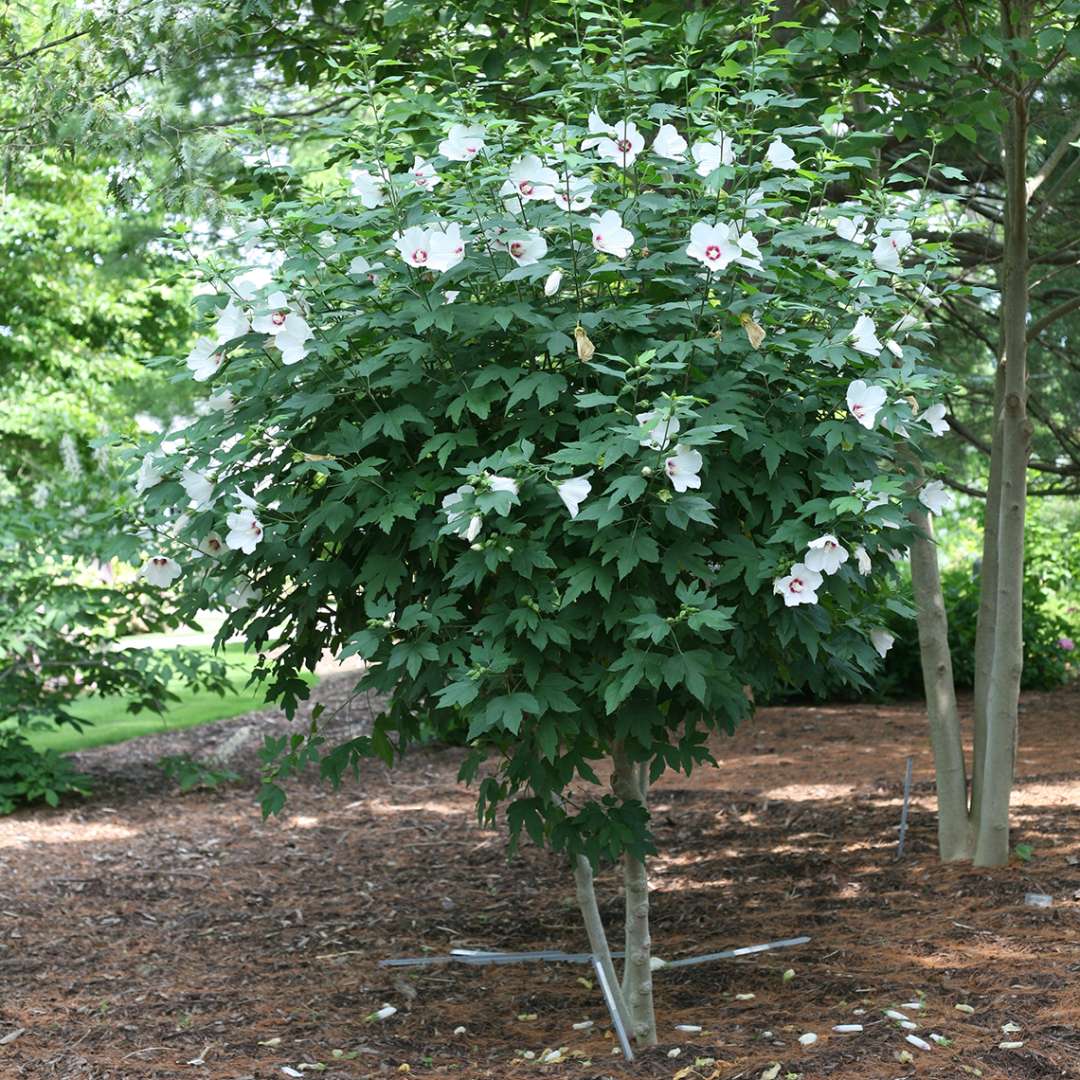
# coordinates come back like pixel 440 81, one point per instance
pixel 1059 185
pixel 55 43
pixel 254 117
pixel 983 447
pixel 1053 159
pixel 1052 316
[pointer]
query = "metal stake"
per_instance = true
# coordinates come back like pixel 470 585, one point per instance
pixel 612 1008
pixel 904 811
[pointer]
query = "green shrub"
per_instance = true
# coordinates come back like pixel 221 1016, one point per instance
pixel 190 773
pixel 27 775
pixel 1051 618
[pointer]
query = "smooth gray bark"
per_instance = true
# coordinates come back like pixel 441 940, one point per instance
pixel 955 835
pixel 988 584
pixel 627 780
pixel 1003 687
pixel 594 928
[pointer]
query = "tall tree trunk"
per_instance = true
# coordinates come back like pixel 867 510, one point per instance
pixel 1003 686
pixel 594 928
pixel 988 585
pixel 955 834
pixel 637 973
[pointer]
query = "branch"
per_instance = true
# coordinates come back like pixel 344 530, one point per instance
pixel 55 43
pixel 1058 186
pixel 1053 159
pixel 1033 492
pixel 983 447
pixel 1052 316
pixel 253 117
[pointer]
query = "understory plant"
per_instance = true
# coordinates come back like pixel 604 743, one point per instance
pixel 581 427
pixel 64 613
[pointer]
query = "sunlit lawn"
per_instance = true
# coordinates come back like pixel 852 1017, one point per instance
pixel 111 723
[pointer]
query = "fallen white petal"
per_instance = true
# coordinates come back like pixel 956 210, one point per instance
pixel 1010 1028
pixel 939 1039
pixel 291 1072
pixel 894 1014
pixel 744 997
pixel 916 1041
pixel 583 1026
pixel 772 1072
pixel 909 1025
pixel 674 1053
pixel 693 1029
pixel 1009 1045
pixel 459 1031
pixel 656 964
pixel 847 1029
pixel 964 1009
pixel 384 1012
pixel 808 1039
pixel 916 1005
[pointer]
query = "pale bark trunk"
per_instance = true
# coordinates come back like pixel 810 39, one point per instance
pixel 955 837
pixel 1003 687
pixel 594 928
pixel 988 584
pixel 637 973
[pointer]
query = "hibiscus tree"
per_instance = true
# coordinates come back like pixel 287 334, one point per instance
pixel 574 434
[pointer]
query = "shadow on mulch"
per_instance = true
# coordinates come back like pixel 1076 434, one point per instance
pixel 152 935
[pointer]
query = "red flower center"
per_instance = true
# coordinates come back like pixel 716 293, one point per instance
pixel 525 187
pixel 797 585
pixel 625 145
pixel 517 249
pixel 419 256
pixel 712 253
pixel 278 318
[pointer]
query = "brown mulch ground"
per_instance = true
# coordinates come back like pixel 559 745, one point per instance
pixel 147 934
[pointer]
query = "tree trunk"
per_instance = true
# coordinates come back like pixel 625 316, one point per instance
pixel 637 972
pixel 988 584
pixel 955 835
pixel 594 928
pixel 1003 687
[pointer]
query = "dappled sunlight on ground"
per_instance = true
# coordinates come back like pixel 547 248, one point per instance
pixel 25 831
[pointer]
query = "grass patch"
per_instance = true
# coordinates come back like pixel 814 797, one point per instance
pixel 111 723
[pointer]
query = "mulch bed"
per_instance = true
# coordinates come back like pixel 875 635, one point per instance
pixel 148 934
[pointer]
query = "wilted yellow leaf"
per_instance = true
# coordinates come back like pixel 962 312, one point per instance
pixel 585 348
pixel 755 334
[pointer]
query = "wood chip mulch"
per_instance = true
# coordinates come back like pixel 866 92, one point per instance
pixel 148 934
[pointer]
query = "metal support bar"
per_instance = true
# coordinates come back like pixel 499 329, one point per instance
pixel 477 957
pixel 612 1008
pixel 904 811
